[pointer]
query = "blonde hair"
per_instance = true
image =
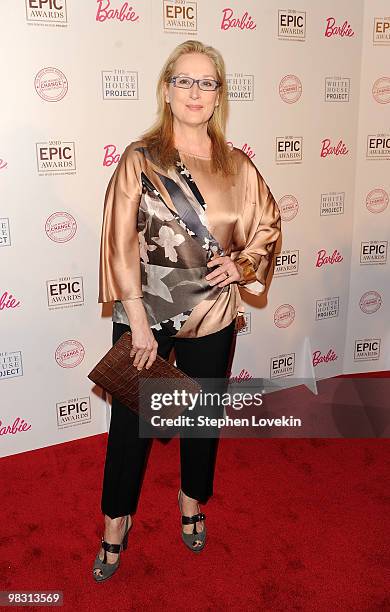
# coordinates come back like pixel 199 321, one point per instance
pixel 159 138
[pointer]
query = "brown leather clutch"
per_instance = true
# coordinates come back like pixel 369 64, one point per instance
pixel 116 374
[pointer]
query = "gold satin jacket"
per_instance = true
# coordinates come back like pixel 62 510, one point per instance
pixel 148 250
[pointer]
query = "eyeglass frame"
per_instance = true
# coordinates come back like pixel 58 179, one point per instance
pixel 197 81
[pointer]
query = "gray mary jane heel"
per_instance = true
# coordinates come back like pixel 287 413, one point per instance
pixel 190 539
pixel 108 569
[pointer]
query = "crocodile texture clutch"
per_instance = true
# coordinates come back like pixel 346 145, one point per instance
pixel 117 375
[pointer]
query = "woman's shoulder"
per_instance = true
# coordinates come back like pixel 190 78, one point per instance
pixel 134 156
pixel 135 148
pixel 246 165
pixel 242 161
pixel 238 154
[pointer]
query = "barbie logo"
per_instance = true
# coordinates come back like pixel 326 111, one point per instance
pixel 245 148
pixel 323 258
pixel 241 377
pixel 245 22
pixel 17 426
pixel 3 164
pixel 318 358
pixel 327 149
pixel 7 300
pixel 110 155
pixel 125 13
pixel 333 30
pixel 248 151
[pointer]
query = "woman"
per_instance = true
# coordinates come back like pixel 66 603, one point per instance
pixel 172 270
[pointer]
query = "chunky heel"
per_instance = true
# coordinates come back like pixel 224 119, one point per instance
pixel 108 569
pixel 125 540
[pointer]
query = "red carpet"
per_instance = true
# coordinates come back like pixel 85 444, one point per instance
pixel 296 525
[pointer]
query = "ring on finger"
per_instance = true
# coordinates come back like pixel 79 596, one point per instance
pixel 227 274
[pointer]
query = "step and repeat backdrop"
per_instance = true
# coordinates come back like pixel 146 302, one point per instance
pixel 309 85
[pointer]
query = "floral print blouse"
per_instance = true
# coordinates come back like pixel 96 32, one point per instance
pixel 160 228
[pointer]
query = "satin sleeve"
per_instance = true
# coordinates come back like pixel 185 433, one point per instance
pixel 261 221
pixel 120 270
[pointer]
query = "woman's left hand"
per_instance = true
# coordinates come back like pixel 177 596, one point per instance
pixel 226 271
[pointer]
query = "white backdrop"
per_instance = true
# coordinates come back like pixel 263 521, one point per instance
pixel 310 91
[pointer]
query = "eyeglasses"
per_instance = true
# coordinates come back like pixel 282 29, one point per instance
pixel 187 82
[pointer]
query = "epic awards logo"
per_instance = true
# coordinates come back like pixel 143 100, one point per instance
pixel 120 84
pixel 378 146
pixel 46 12
pixel 373 252
pixel 5 236
pixel 289 149
pixel 327 308
pixel 65 292
pixel 292 25
pixel 56 157
pixel 367 349
pixel 286 263
pixel 240 87
pixel 11 364
pixel 332 203
pixel 381 31
pixel 282 365
pixel 180 16
pixel 74 411
pixel 337 89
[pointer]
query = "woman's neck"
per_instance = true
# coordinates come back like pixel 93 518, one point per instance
pixel 192 139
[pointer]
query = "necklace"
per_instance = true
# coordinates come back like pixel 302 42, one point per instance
pixel 194 154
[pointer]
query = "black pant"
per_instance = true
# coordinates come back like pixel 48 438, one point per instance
pixel 205 357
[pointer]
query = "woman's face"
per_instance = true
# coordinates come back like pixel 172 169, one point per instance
pixel 193 106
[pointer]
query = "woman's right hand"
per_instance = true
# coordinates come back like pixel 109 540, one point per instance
pixel 144 345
